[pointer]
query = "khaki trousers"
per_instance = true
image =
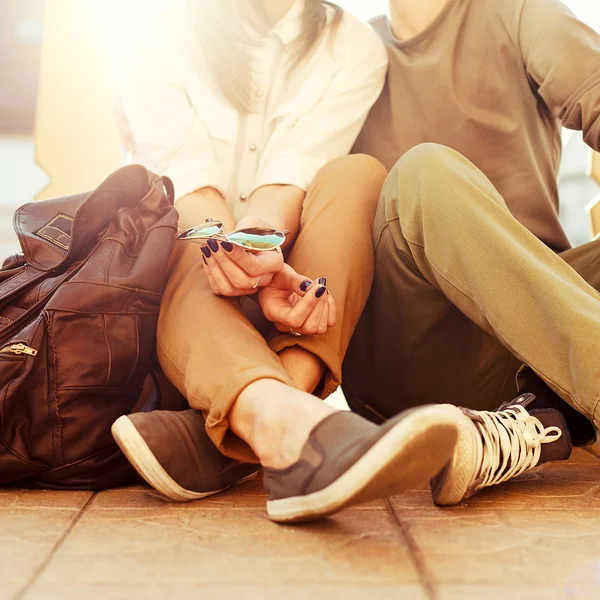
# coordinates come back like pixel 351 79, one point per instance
pixel 464 296
pixel 208 347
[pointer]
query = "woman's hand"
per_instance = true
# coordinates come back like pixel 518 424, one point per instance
pixel 233 271
pixel 295 304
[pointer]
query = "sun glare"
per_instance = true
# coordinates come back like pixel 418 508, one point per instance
pixel 119 21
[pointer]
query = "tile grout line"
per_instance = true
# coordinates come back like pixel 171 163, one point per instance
pixel 415 553
pixel 34 577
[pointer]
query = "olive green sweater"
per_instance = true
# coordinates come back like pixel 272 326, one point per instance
pixel 494 79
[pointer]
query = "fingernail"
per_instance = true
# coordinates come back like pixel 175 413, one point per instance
pixel 213 245
pixel 228 246
pixel 320 291
pixel 305 285
pixel 322 281
pixel 205 251
pixel 204 259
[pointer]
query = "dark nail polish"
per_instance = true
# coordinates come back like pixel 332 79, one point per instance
pixel 322 281
pixel 320 291
pixel 204 259
pixel 227 246
pixel 213 245
pixel 205 251
pixel 305 285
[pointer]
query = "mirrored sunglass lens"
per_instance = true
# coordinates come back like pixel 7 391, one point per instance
pixel 257 238
pixel 203 231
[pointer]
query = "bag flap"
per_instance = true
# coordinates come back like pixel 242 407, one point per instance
pixel 54 231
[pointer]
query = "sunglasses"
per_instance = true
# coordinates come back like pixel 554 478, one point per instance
pixel 249 238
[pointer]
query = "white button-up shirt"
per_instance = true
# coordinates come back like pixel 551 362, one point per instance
pixel 182 126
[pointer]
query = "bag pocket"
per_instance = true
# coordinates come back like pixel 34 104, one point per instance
pixel 18 350
pixel 110 351
pixel 26 447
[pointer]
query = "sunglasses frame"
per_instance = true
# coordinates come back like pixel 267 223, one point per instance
pixel 219 235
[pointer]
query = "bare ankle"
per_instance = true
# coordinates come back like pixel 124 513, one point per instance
pixel 276 420
pixel 305 369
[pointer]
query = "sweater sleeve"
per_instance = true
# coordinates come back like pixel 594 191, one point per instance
pixel 562 58
pixel 169 136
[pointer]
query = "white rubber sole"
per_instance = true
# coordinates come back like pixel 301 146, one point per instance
pixel 452 484
pixel 407 456
pixel 142 459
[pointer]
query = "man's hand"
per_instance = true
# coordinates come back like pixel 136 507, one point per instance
pixel 294 302
pixel 233 271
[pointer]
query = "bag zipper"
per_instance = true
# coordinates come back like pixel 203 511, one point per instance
pixel 18 349
pixel 33 312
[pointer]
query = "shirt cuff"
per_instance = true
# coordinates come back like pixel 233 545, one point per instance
pixel 188 178
pixel 289 170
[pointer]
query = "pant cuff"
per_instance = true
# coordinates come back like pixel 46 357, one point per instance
pixel 582 424
pixel 332 361
pixel 217 417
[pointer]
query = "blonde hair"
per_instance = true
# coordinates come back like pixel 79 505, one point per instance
pixel 222 27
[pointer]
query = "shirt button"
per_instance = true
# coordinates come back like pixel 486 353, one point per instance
pixel 243 197
pixel 260 93
pixel 253 148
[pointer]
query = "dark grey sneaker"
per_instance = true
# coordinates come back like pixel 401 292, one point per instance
pixel 348 460
pixel 496 446
pixel 173 453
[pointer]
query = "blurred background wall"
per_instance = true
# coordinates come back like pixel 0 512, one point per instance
pixel 21 35
pixel 54 86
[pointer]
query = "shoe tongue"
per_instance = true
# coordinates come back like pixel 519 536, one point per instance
pixel 562 447
pixel 523 400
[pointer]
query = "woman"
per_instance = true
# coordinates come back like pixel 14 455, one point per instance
pixel 242 105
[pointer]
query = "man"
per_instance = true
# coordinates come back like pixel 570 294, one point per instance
pixel 474 275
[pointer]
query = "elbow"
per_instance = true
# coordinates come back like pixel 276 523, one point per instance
pixel 591 135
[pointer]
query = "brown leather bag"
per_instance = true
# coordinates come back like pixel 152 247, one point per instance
pixel 78 313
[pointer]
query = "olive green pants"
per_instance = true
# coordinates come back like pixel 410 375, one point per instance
pixel 464 296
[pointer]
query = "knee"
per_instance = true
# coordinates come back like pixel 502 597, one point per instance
pixel 363 165
pixel 428 166
pixel 353 181
pixel 355 169
pixel 425 158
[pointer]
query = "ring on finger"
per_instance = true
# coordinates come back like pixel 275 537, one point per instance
pixel 295 333
pixel 257 283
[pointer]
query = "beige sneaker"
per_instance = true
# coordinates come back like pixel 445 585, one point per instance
pixel 494 447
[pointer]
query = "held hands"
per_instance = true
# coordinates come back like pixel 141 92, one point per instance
pixel 292 302
pixel 233 271
pixel 297 305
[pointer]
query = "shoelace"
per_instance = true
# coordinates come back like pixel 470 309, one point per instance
pixel 512 444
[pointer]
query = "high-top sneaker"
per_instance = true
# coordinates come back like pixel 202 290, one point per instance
pixel 495 446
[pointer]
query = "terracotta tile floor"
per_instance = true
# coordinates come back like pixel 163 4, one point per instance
pixel 536 538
